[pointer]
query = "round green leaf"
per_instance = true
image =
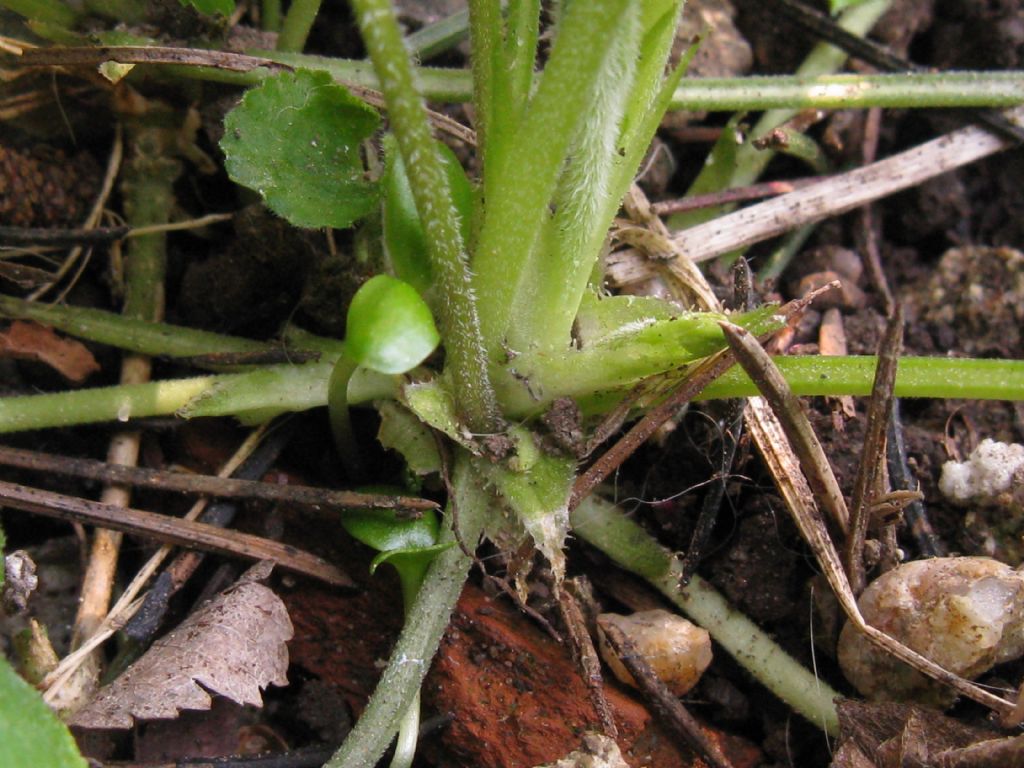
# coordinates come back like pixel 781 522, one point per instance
pixel 295 139
pixel 390 328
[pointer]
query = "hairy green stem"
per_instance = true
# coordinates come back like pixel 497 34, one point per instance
pixel 297 23
pixel 424 626
pixel 466 357
pixel 408 735
pixel 485 34
pixel 584 204
pixel 526 171
pixel 604 526
pixel 938 377
pixel 918 89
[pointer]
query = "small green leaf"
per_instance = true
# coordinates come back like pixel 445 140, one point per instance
pixel 211 7
pixel 295 139
pixel 401 431
pixel 383 530
pixel 403 232
pixel 30 733
pixel 389 328
pixel 408 545
pixel 403 559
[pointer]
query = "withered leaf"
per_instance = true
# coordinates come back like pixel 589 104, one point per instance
pixel 29 341
pixel 232 646
pixel 896 735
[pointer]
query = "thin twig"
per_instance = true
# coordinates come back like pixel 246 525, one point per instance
pixel 587 661
pixel 914 514
pixel 703 374
pixel 670 710
pixel 170 530
pixel 61 237
pixel 77 56
pixel 733 195
pixel 319 499
pixel 730 428
pixel 253 459
pixel 841 193
pixel 95 213
pixel 787 407
pixel 871 462
pixel 127 604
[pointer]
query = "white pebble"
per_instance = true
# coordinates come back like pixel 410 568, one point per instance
pixel 988 471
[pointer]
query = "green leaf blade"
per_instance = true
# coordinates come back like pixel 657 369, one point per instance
pixel 404 238
pixel 30 733
pixel 295 139
pixel 390 328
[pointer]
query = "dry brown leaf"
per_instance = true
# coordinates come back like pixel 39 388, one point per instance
pixel 233 646
pixel 891 735
pixel 30 341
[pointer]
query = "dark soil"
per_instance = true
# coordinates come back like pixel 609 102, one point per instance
pixel 508 695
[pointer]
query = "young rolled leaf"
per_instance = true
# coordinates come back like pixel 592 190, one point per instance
pixel 408 545
pixel 295 139
pixel 390 328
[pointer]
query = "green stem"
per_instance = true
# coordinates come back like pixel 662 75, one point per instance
pixel 939 377
pixel 408 735
pixel 425 624
pixel 848 91
pixel 921 90
pixel 485 33
pixel 275 389
pixel 605 527
pixel 585 203
pixel 521 51
pixel 747 162
pixel 439 37
pixel 270 18
pixel 297 23
pixel 466 357
pixel 341 424
pixel 530 162
pixel 936 377
pixel 266 391
pixel 149 198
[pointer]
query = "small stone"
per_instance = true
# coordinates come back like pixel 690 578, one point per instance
pixel 964 613
pixel 677 650
pixel 847 296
